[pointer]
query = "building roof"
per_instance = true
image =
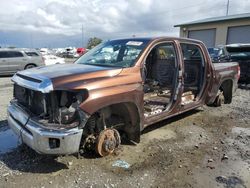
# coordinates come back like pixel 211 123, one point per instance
pixel 217 19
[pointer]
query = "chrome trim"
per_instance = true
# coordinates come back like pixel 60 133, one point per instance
pixel 37 137
pixel 45 86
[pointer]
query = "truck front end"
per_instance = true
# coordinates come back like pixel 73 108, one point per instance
pixel 48 121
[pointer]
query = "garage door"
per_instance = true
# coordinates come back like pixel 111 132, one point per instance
pixel 207 36
pixel 239 34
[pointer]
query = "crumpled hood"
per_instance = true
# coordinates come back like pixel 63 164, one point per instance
pixel 62 76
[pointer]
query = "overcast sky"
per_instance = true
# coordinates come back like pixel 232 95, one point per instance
pixel 59 23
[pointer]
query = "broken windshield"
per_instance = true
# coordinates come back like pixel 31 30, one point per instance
pixel 115 53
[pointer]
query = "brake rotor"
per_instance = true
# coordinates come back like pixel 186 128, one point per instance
pixel 108 140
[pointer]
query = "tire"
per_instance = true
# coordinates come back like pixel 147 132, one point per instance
pixel 29 66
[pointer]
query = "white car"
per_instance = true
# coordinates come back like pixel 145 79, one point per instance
pixel 52 59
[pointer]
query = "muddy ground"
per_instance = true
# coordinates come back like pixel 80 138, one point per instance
pixel 207 147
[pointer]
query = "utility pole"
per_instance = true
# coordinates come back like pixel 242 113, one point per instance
pixel 82 37
pixel 228 1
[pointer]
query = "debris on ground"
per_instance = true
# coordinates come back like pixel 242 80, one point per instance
pixel 121 164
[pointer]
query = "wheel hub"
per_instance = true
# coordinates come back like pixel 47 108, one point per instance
pixel 108 140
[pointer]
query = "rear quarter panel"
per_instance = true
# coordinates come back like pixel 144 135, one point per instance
pixel 223 72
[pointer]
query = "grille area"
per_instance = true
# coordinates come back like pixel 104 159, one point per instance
pixel 32 100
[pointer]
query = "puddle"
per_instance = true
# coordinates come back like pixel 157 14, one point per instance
pixel 8 141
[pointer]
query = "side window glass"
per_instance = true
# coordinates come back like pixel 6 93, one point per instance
pixel 13 54
pixel 3 54
pixel 32 54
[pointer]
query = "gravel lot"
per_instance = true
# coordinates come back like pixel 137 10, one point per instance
pixel 208 147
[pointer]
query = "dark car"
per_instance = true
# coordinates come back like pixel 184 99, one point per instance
pixel 241 54
pixel 219 54
pixel 234 53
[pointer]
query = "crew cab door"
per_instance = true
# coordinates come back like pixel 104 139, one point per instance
pixel 194 69
pixel 162 83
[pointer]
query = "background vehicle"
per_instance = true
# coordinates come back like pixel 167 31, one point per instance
pixel 117 88
pixel 44 51
pixel 13 60
pixel 234 52
pixel 52 59
pixel 81 51
pixel 241 54
pixel 219 54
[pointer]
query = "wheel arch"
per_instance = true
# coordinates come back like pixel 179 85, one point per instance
pixel 227 88
pixel 129 112
pixel 25 67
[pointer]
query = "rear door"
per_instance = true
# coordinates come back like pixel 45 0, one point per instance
pixel 4 65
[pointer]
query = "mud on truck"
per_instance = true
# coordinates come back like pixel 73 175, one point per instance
pixel 113 92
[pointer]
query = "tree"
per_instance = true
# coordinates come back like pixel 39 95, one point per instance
pixel 93 42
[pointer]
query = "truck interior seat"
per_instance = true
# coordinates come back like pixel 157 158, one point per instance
pixel 163 68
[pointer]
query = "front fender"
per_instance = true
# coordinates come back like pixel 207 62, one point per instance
pixel 113 95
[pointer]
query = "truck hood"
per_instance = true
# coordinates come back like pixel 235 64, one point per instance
pixel 62 76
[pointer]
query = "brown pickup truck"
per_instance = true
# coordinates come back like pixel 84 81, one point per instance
pixel 114 91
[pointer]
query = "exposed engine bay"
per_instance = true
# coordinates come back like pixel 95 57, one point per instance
pixel 60 110
pixel 57 109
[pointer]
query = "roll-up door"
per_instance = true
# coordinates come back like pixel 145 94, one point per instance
pixel 239 34
pixel 207 36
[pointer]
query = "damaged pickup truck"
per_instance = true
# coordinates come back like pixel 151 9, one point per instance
pixel 113 92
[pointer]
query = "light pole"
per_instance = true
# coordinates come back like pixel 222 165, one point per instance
pixel 227 7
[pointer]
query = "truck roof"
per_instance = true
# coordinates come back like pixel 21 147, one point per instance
pixel 160 38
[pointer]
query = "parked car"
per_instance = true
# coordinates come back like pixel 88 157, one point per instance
pixel 118 88
pixel 68 52
pixel 219 54
pixel 13 60
pixel 81 51
pixel 241 54
pixel 44 51
pixel 52 59
pixel 234 52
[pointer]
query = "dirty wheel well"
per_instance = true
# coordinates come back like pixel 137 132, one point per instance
pixel 122 116
pixel 227 89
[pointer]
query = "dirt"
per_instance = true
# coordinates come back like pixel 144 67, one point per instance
pixel 207 147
